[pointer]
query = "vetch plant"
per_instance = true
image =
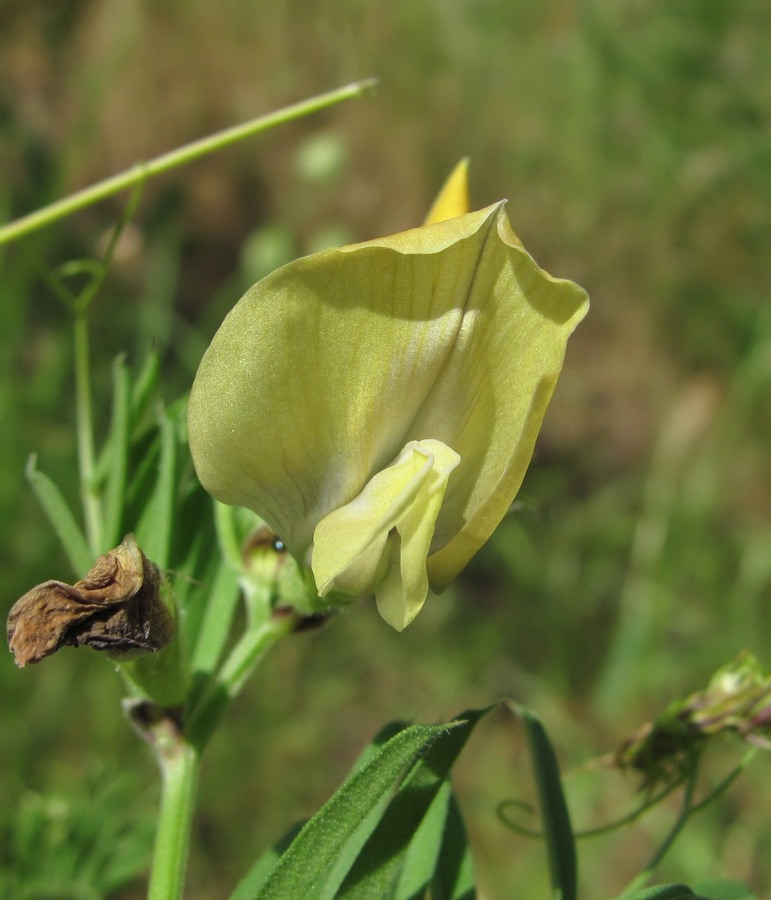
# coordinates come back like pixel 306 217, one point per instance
pixel 371 409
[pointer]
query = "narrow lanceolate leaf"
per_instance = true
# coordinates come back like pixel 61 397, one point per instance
pixel 381 864
pixel 422 855
pixel 454 872
pixel 664 892
pixel 558 833
pixel 304 867
pixel 61 518
pixel 723 889
pixel 155 527
pixel 348 854
pixel 249 886
pixel 217 620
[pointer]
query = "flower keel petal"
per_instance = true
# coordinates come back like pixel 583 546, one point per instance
pixel 379 542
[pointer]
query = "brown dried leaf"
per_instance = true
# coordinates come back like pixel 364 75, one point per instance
pixel 117 607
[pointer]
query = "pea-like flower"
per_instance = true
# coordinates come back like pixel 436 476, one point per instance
pixel 378 404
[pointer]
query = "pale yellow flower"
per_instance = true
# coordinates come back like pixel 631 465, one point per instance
pixel 378 404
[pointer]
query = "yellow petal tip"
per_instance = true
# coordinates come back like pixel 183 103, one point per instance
pixel 453 198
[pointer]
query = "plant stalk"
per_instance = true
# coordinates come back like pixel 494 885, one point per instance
pixel 92 510
pixel 686 810
pixel 179 762
pixel 142 171
pixel 242 661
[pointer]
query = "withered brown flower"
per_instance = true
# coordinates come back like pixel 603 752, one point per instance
pixel 117 608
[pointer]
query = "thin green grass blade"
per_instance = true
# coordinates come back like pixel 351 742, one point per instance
pixel 118 452
pixel 70 534
pixel 314 853
pixel 145 385
pixel 198 581
pixel 214 623
pixel 154 531
pixel 558 833
pixel 378 868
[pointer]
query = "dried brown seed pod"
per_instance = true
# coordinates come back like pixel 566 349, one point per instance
pixel 117 608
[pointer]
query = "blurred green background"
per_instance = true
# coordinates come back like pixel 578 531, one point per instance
pixel 633 141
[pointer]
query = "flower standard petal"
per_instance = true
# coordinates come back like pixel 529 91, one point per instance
pixel 329 366
pixel 493 400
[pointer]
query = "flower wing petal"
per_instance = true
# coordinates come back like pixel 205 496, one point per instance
pixel 378 543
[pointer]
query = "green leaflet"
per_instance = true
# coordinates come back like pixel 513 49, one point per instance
pixel 360 841
pixel 558 833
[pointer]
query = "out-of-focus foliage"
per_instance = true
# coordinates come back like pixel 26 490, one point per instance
pixel 633 141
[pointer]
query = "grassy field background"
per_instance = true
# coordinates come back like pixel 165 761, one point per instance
pixel 633 143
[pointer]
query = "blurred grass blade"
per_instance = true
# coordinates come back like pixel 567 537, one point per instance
pixel 380 866
pixel 154 530
pixel 314 852
pixel 117 448
pixel 227 534
pixel 143 392
pixel 61 518
pixel 454 873
pixel 558 833
pixel 145 386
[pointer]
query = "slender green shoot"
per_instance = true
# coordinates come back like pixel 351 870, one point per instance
pixel 686 810
pixel 143 171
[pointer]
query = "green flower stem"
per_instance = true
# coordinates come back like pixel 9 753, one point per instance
pixel 240 664
pixel 92 509
pixel 229 542
pixel 179 749
pixel 179 761
pixel 142 171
